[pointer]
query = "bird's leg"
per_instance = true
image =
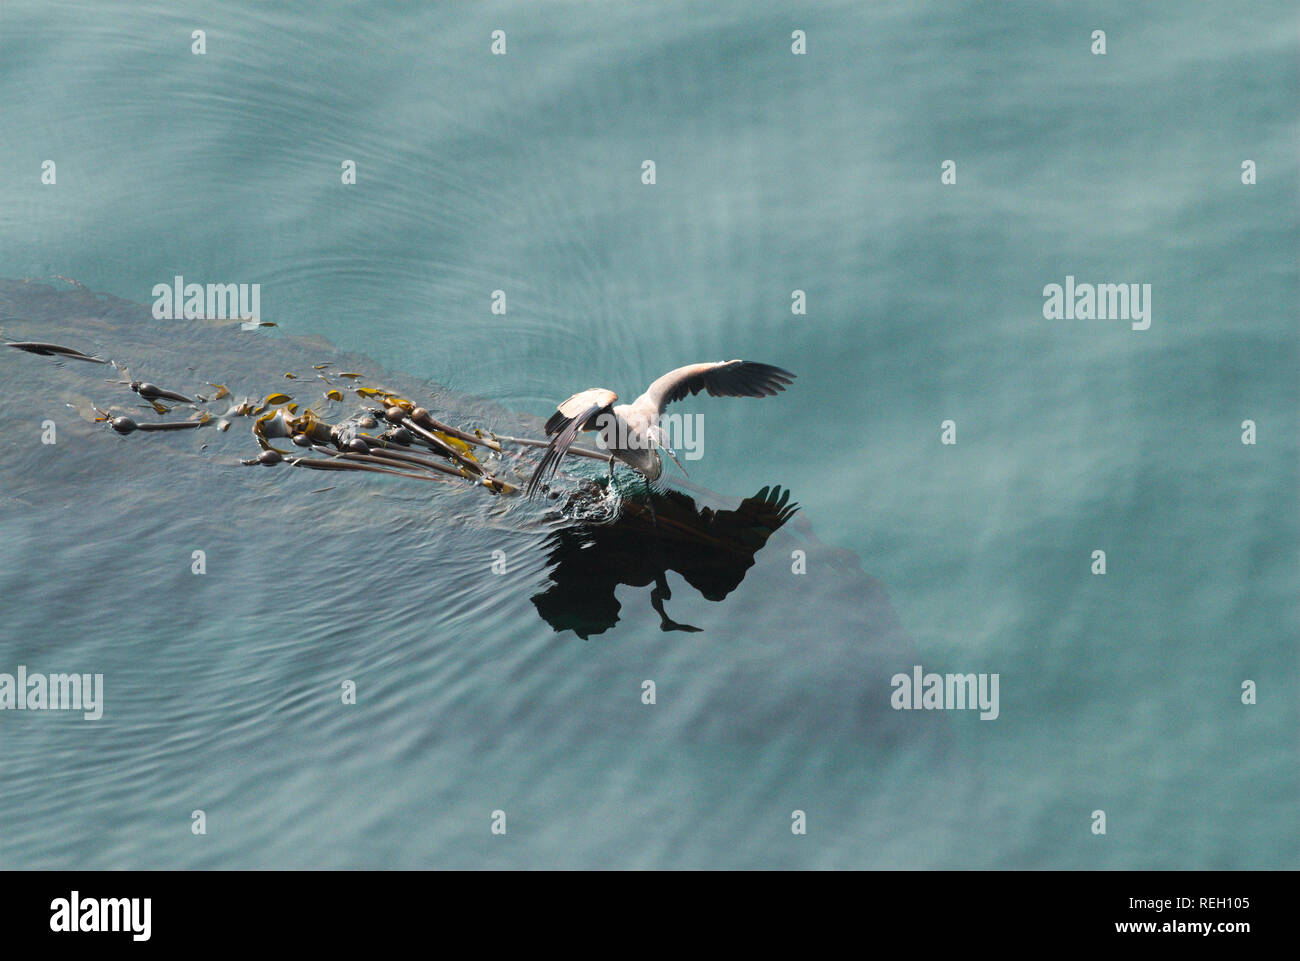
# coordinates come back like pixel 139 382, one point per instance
pixel 658 595
pixel 611 466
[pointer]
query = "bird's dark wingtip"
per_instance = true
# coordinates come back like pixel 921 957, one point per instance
pixel 556 423
pixel 565 430
pixel 766 380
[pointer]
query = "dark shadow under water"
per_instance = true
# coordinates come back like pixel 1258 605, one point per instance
pixel 660 531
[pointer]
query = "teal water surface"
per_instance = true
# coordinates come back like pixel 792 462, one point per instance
pixel 774 172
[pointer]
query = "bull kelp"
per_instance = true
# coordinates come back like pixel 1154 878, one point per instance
pixel 376 431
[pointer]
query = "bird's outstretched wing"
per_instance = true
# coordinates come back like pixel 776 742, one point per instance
pixel 726 378
pixel 579 412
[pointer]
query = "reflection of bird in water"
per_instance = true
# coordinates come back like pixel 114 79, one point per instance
pixel 712 550
pixel 631 432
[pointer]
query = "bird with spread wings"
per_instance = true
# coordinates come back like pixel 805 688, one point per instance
pixel 631 432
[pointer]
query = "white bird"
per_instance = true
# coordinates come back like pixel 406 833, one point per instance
pixel 631 432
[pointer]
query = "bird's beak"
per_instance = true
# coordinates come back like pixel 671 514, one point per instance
pixel 670 453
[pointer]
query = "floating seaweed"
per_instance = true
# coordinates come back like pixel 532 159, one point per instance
pixel 52 350
pixel 413 444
